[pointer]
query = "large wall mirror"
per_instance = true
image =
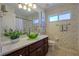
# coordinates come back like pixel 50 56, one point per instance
pixel 17 19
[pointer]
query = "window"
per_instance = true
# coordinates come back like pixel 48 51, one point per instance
pixel 60 17
pixel 36 21
pixel 66 16
pixel 53 18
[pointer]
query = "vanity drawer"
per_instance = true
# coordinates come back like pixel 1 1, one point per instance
pixel 23 51
pixel 36 45
pixel 38 52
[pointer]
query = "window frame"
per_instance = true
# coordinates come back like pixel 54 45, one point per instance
pixel 53 16
pixel 66 12
pixel 34 21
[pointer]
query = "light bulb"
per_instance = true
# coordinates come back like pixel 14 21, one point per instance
pixel 30 4
pixel 20 5
pixel 24 7
pixel 29 9
pixel 34 6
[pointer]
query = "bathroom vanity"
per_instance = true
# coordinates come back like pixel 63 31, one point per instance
pixel 25 47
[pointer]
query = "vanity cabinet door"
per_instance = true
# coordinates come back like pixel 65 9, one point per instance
pixel 45 49
pixel 23 52
pixel 35 46
pixel 37 52
pixel 40 51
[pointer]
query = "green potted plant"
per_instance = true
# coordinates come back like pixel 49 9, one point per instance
pixel 7 32
pixel 12 34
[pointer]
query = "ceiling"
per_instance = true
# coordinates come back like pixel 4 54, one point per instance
pixel 47 5
pixel 22 12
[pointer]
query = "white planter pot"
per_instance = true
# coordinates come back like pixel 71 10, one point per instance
pixel 14 41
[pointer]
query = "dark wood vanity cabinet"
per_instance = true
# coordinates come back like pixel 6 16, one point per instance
pixel 45 46
pixel 42 48
pixel 39 48
pixel 37 52
pixel 20 52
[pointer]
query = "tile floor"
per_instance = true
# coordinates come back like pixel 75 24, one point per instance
pixel 55 51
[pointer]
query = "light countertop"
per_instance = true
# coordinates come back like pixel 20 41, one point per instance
pixel 10 46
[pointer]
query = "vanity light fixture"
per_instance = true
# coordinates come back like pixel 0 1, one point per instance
pixel 29 9
pixel 24 7
pixel 27 6
pixel 34 6
pixel 20 5
pixel 30 4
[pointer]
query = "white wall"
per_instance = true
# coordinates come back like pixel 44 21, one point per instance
pixel 9 20
pixel 66 39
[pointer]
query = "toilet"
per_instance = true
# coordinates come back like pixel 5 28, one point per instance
pixel 53 43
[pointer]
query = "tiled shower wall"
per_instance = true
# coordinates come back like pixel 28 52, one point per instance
pixel 77 12
pixel 67 39
pixel 0 35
